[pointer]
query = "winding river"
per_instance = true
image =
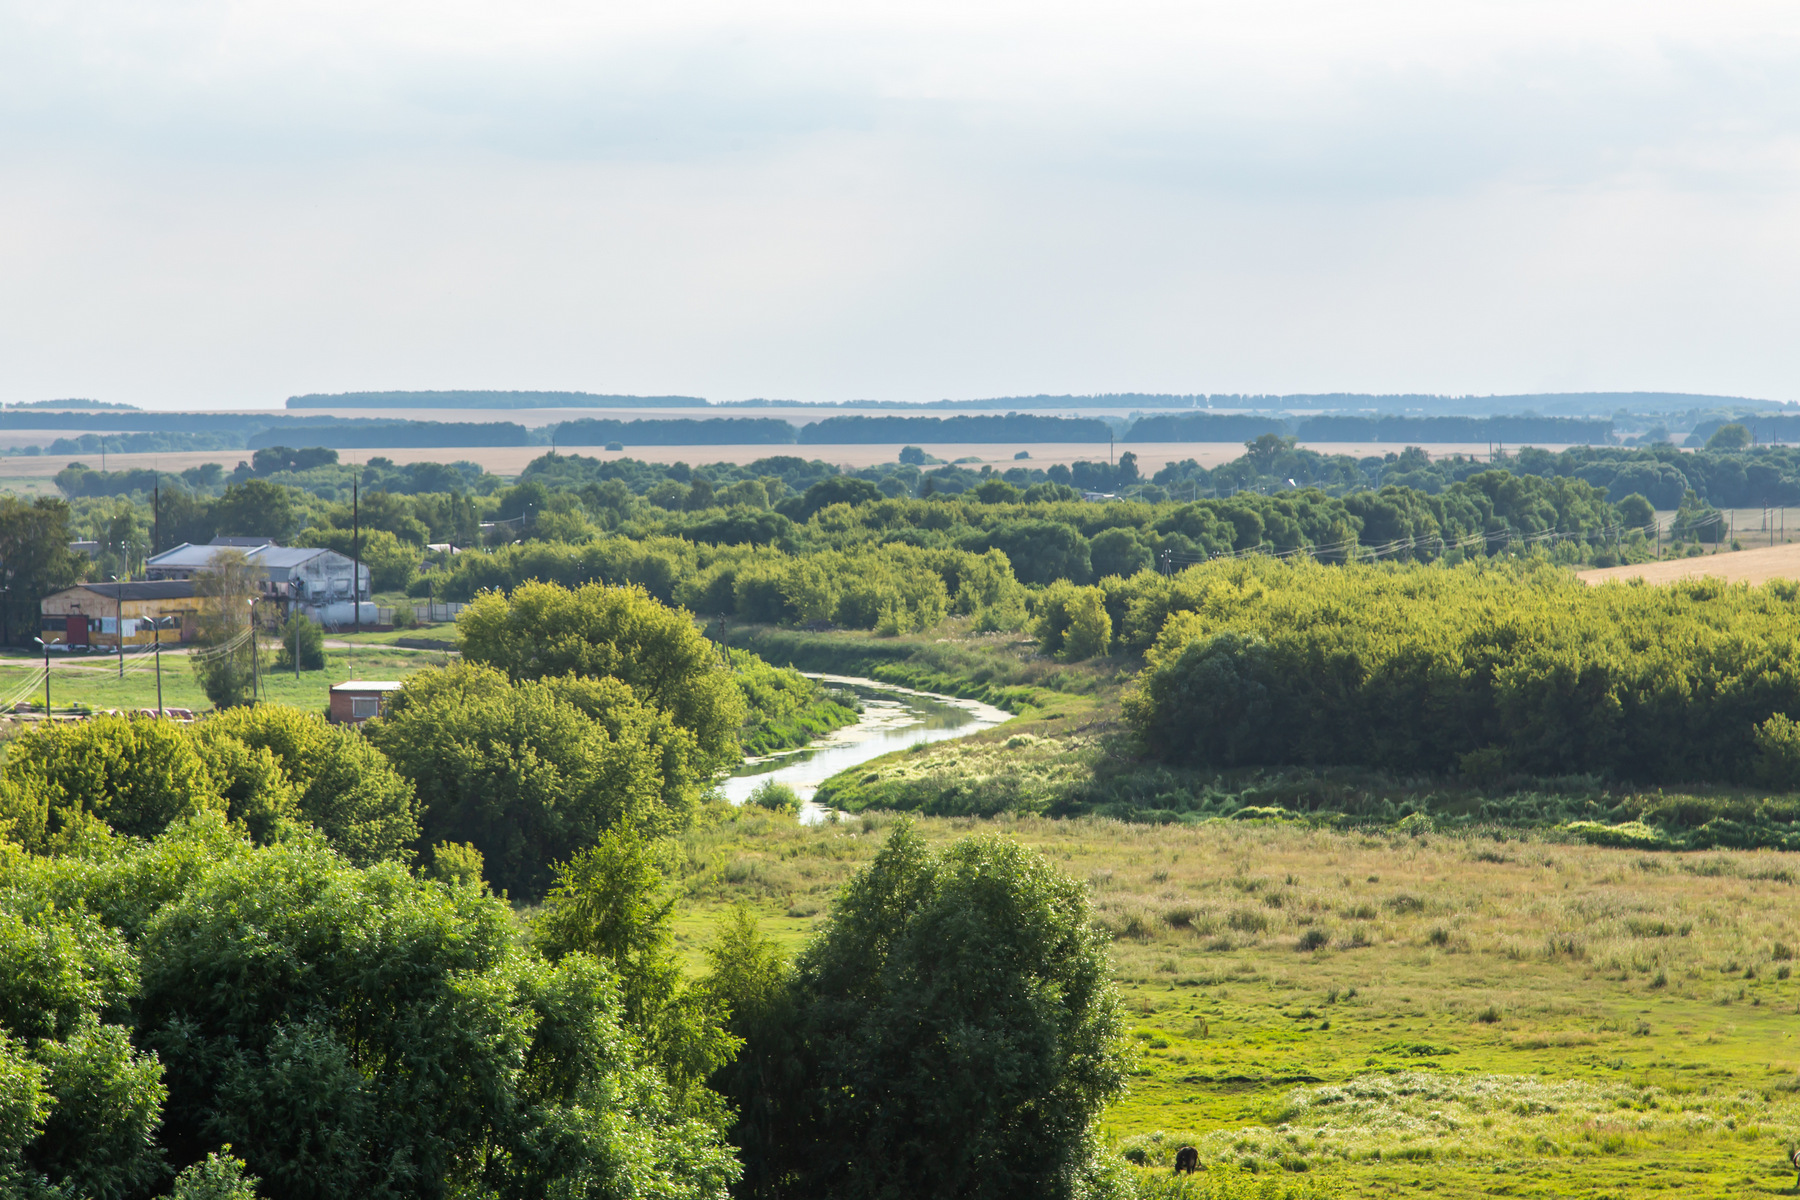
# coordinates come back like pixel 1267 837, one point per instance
pixel 893 718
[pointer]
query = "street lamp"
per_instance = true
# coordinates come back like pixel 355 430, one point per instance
pixel 46 645
pixel 157 625
pixel 119 624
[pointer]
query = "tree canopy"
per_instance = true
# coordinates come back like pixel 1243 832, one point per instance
pixel 531 773
pixel 544 630
pixel 951 1032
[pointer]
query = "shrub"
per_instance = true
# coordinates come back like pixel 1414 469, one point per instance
pixel 777 797
pixel 298 631
pixel 1778 753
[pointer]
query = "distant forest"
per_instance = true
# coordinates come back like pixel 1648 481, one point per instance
pixel 91 430
pixel 1577 404
pixel 488 400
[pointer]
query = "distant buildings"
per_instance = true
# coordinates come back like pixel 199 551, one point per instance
pixel 111 614
pixel 359 700
pixel 313 582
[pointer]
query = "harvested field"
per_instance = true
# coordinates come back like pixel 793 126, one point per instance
pixel 510 460
pixel 1740 566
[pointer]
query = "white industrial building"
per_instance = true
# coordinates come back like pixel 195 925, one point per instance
pixel 312 582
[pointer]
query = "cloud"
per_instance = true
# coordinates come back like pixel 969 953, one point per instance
pixel 228 202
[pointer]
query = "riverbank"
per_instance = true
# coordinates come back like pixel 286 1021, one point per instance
pixel 894 720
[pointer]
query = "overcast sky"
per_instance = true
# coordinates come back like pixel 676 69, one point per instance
pixel 227 203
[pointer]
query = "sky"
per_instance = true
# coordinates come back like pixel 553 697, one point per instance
pixel 214 204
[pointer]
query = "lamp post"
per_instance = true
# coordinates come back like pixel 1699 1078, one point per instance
pixel 46 646
pixel 293 611
pixel 157 625
pixel 119 624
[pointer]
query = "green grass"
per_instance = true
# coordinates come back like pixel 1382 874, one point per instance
pixel 95 681
pixel 1474 1017
pixel 442 631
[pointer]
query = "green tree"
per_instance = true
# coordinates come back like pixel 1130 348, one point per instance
pixel 1636 512
pixel 35 559
pixel 342 784
pixel 1119 551
pixel 255 508
pixel 225 662
pixel 524 774
pixel 258 794
pixel 1041 551
pixel 456 863
pixel 954 1033
pixel 1731 436
pixel 135 776
pixel 1778 753
pixel 1266 451
pixel 216 1177
pixel 302 636
pixel 124 538
pixel 610 901
pixel 1090 628
pixel 751 979
pixel 1698 520
pixel 79 1105
pixel 545 630
pixel 363 1033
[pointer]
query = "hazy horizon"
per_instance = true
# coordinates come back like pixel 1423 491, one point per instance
pixel 216 205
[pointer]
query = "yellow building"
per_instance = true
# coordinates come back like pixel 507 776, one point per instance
pixel 91 614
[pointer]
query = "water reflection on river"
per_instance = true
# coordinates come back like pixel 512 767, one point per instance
pixel 893 719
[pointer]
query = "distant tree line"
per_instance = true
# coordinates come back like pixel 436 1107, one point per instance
pixel 480 399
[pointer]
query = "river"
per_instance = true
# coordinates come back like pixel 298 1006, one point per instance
pixel 893 718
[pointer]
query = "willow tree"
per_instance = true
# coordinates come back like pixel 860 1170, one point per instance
pixel 225 661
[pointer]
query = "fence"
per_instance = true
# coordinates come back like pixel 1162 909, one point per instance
pixel 430 610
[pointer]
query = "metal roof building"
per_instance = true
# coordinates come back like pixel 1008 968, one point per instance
pixel 316 582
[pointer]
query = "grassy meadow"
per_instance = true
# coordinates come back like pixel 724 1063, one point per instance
pixel 95 682
pixel 1400 1012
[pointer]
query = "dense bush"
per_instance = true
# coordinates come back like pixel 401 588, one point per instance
pixel 531 773
pixel 951 1032
pixel 543 630
pixel 304 639
pixel 1524 669
pixel 268 768
pixel 344 1031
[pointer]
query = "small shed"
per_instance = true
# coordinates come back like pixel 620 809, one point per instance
pixel 360 699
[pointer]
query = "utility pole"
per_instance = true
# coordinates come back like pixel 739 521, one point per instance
pixel 119 623
pixel 355 570
pixel 254 681
pixel 156 628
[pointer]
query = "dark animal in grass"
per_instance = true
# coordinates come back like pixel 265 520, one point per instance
pixel 1187 1160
